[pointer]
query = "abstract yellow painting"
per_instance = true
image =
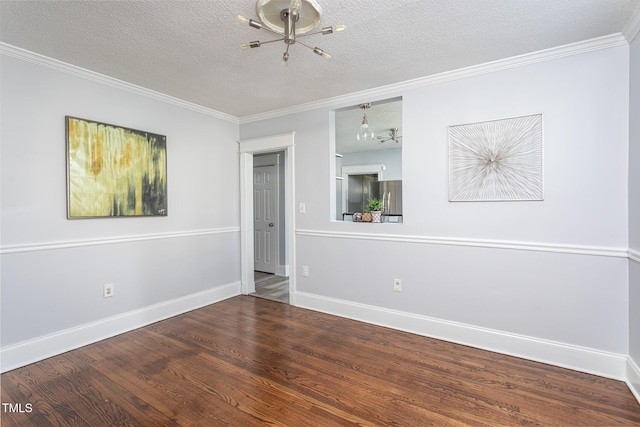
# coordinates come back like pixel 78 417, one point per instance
pixel 114 171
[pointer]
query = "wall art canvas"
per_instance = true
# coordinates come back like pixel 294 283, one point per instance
pixel 497 160
pixel 114 171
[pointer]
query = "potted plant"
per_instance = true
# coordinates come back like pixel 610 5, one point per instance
pixel 374 206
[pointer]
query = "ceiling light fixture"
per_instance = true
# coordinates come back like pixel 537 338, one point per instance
pixel 393 136
pixel 365 132
pixel 289 19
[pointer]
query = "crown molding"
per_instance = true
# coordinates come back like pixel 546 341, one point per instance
pixel 632 28
pixel 54 64
pixel 382 92
pixel 447 76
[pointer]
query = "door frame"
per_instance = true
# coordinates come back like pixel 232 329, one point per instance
pixel 249 147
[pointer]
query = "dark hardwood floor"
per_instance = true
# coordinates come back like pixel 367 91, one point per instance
pixel 250 361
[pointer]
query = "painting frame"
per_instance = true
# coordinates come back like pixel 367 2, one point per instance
pixel 114 171
pixel 497 160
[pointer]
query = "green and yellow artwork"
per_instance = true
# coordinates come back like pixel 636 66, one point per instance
pixel 114 171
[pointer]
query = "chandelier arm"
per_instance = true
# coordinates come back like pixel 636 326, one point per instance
pixel 264 27
pixel 271 41
pixel 307 34
pixel 305 45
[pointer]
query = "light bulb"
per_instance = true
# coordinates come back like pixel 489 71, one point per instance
pixel 244 46
pixel 321 52
pixel 295 5
pixel 365 133
pixel 242 18
pixel 341 27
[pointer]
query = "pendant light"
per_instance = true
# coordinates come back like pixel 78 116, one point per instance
pixel 365 132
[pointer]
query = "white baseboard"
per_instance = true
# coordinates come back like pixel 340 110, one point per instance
pixel 582 359
pixel 633 378
pixel 282 270
pixel 27 352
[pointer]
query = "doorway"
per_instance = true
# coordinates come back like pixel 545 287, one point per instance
pixel 248 150
pixel 266 226
pixel 270 272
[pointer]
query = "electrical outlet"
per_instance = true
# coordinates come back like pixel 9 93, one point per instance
pixel 108 290
pixel 305 271
pixel 397 285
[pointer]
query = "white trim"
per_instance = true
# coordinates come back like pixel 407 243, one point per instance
pixel 632 28
pixel 282 270
pixel 634 255
pixel 266 144
pixel 247 258
pixel 454 241
pixel 447 76
pixel 111 241
pixel 382 92
pixel 31 351
pixel 54 64
pixel 578 358
pixel 247 148
pixel 633 378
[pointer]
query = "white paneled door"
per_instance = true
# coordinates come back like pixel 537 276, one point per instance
pixel 265 223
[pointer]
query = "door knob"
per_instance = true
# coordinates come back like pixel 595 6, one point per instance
pixel 270 224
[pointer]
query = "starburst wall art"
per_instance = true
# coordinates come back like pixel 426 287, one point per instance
pixel 497 160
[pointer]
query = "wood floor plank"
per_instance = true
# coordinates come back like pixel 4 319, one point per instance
pixel 253 362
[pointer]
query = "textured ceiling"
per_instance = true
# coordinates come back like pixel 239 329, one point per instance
pixel 190 49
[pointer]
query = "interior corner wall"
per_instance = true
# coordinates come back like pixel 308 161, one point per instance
pixel 554 271
pixel 634 206
pixel 54 269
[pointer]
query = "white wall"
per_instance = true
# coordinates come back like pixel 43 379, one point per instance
pixel 53 269
pixel 553 271
pixel 634 210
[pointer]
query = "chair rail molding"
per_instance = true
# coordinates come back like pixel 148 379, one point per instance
pixel 12 249
pixel 483 243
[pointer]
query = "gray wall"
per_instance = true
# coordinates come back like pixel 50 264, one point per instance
pixel 634 203
pixel 53 269
pixel 533 290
